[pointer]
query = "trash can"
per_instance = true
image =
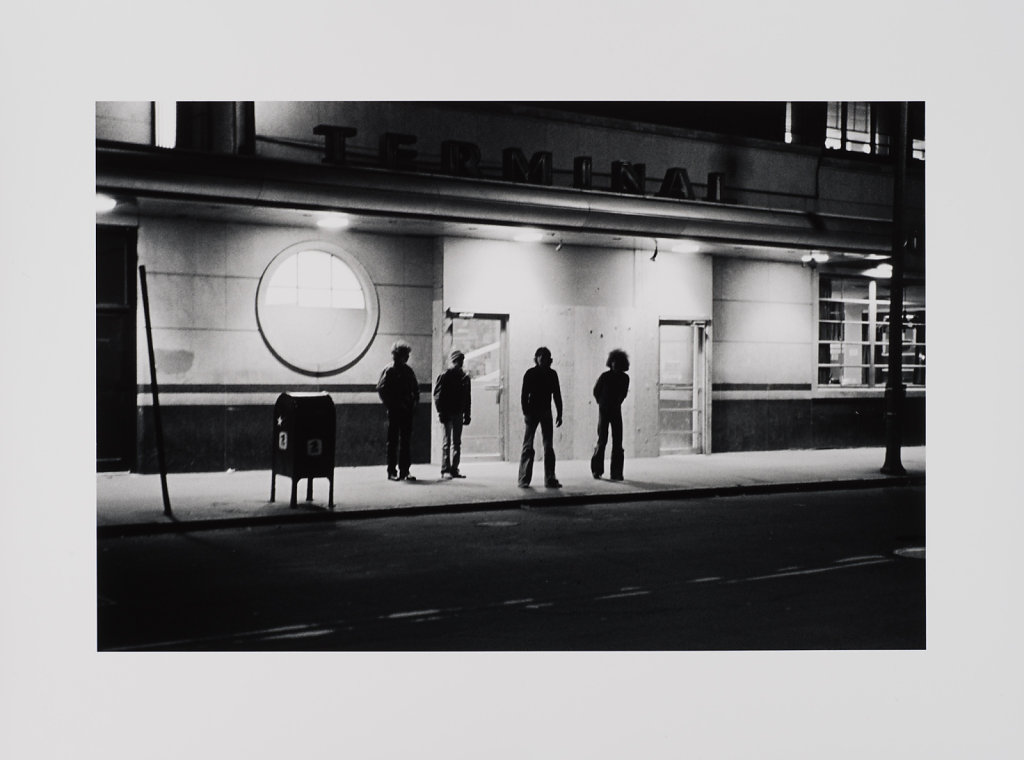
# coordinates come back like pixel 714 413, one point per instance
pixel 303 444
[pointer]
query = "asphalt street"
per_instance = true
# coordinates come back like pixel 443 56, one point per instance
pixel 813 570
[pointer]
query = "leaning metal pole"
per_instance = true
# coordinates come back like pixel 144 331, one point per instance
pixel 156 395
pixel 895 390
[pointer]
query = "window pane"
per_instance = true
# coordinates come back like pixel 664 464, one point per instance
pixel 314 270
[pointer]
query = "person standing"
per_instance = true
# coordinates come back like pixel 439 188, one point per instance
pixel 610 391
pixel 540 388
pixel 400 393
pixel 452 401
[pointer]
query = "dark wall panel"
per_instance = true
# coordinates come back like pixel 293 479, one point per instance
pixel 767 425
pixel 218 438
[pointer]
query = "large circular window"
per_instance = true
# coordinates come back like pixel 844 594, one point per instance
pixel 316 308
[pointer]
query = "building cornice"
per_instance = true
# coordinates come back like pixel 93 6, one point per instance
pixel 146 172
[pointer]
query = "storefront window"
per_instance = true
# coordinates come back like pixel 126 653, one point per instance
pixel 853 332
pixel 317 309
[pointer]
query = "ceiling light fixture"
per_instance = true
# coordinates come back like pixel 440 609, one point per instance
pixel 685 246
pixel 882 271
pixel 333 221
pixel 529 236
pixel 104 203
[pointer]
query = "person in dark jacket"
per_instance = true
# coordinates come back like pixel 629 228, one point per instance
pixel 540 388
pixel 452 401
pixel 610 391
pixel 400 393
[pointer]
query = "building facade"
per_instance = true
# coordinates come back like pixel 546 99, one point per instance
pixel 285 245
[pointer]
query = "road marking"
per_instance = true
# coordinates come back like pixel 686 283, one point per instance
pixel 539 605
pixel 709 579
pixel 623 595
pixel 914 552
pixel 510 602
pixel 810 572
pixel 860 559
pixel 413 613
pixel 298 635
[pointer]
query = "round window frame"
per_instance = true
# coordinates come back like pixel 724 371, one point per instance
pixel 371 306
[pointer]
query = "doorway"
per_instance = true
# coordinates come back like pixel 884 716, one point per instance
pixel 482 338
pixel 115 348
pixel 683 387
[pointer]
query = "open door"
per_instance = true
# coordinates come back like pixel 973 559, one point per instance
pixel 683 387
pixel 482 338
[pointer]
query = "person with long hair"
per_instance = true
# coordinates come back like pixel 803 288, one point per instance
pixel 610 391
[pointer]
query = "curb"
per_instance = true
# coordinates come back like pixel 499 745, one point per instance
pixel 176 526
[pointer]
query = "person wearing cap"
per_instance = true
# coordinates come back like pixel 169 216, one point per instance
pixel 400 393
pixel 540 388
pixel 609 392
pixel 452 399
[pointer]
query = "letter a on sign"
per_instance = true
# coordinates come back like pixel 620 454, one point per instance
pixel 676 184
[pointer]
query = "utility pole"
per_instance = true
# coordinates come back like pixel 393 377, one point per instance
pixel 895 390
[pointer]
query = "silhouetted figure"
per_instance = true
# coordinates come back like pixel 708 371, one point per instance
pixel 540 387
pixel 452 401
pixel 400 393
pixel 610 391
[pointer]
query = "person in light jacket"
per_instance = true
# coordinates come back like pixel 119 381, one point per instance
pixel 610 391
pixel 452 397
pixel 400 393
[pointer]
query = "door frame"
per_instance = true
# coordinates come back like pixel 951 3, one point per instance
pixel 503 382
pixel 701 340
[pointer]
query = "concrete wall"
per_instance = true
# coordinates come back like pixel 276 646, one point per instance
pixel 213 364
pixel 580 303
pixel 765 326
pixel 125 121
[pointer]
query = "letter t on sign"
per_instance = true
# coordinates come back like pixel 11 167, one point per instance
pixel 334 141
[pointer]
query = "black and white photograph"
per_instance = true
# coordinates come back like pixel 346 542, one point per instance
pixel 358 364
pixel 542 381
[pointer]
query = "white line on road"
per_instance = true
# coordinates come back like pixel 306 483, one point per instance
pixel 810 572
pixel 413 613
pixel 859 559
pixel 299 635
pixel 623 595
pixel 709 579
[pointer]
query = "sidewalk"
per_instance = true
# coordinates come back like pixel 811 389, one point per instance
pixel 130 503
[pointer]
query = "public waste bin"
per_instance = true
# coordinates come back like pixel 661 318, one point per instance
pixel 303 442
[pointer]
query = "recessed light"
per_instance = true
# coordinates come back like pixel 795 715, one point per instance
pixel 529 236
pixel 104 203
pixel 685 246
pixel 333 221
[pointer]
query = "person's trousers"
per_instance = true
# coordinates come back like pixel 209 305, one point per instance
pixel 399 432
pixel 451 446
pixel 609 418
pixel 547 430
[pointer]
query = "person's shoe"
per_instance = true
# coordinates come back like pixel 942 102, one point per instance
pixel 597 475
pixel 407 476
pixel 392 476
pixel 445 475
pixel 524 485
pixel 457 474
pixel 552 484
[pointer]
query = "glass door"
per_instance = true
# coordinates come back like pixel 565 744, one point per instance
pixel 682 387
pixel 482 340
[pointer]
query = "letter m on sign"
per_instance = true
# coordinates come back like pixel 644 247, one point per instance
pixel 514 167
